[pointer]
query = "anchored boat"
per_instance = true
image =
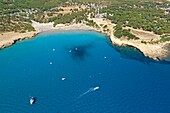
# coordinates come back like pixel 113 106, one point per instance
pixel 32 100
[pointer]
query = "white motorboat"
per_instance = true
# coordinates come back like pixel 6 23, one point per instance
pixel 95 88
pixel 32 100
pixel 63 78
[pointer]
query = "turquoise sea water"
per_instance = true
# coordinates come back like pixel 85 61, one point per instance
pixel 128 82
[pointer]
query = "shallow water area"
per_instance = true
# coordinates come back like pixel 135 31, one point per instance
pixel 63 69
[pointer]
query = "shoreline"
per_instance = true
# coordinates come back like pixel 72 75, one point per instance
pixel 10 38
pixel 153 51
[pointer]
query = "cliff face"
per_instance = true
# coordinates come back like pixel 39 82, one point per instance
pixel 156 51
pixel 9 38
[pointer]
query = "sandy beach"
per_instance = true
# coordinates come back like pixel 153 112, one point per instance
pixel 41 27
pixel 154 51
pixel 10 38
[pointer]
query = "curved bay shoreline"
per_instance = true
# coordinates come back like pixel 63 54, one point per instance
pixel 154 51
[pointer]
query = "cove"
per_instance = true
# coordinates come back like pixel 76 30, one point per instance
pixel 127 81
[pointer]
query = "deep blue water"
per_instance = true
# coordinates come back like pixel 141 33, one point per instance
pixel 128 82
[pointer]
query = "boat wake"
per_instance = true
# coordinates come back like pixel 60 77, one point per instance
pixel 88 91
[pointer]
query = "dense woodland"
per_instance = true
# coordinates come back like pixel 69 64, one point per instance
pixel 148 16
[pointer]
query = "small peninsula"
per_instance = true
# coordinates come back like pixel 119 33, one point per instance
pixel 144 25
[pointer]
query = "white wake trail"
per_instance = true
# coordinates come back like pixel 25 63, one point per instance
pixel 88 91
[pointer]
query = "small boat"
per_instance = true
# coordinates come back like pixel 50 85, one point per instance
pixel 63 78
pixel 32 100
pixel 95 88
pixel 53 49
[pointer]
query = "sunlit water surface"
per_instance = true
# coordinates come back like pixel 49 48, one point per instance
pixel 62 70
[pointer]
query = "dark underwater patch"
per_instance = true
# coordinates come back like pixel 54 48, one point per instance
pixel 129 52
pixel 79 52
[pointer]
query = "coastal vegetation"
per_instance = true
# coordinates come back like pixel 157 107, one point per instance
pixel 165 38
pixel 119 32
pixel 16 15
pixel 16 5
pixel 76 17
pixel 14 23
pixel 148 16
pixel 91 23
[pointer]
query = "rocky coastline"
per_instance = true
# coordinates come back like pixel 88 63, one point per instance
pixel 155 51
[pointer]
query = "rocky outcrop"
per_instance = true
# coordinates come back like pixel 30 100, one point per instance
pixel 9 38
